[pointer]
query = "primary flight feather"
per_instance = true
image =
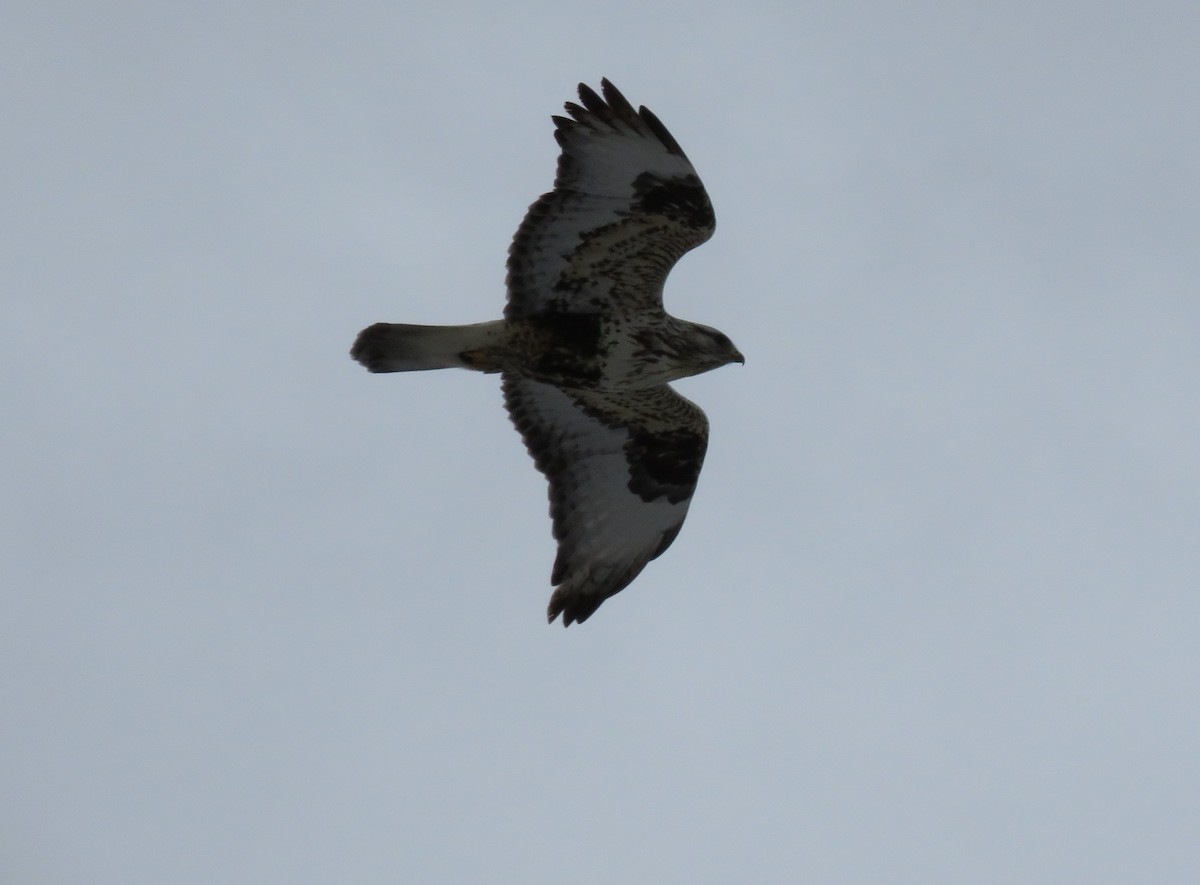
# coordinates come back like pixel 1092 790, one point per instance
pixel 585 349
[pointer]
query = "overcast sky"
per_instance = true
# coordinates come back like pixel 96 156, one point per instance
pixel 266 618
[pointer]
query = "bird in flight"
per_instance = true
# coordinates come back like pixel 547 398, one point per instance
pixel 585 350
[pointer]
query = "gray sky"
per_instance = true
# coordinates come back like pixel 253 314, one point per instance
pixel 933 617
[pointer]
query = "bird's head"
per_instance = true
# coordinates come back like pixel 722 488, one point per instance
pixel 688 349
pixel 711 348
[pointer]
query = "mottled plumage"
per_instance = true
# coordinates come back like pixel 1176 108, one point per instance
pixel 586 350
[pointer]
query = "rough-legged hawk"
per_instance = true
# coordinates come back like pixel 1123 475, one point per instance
pixel 585 349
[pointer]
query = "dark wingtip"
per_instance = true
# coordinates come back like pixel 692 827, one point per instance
pixel 657 127
pixel 589 98
pixel 575 608
pixel 618 102
pixel 615 106
pixel 558 605
pixel 578 114
pixel 608 106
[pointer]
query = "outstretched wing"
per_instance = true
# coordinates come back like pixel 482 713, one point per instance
pixel 622 469
pixel 626 205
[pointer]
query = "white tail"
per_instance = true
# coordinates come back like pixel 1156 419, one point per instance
pixel 400 347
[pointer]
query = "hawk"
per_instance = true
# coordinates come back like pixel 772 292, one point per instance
pixel 585 350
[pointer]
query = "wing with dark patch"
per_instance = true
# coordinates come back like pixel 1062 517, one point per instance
pixel 622 469
pixel 626 205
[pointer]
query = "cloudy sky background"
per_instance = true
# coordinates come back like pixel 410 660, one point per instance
pixel 933 618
